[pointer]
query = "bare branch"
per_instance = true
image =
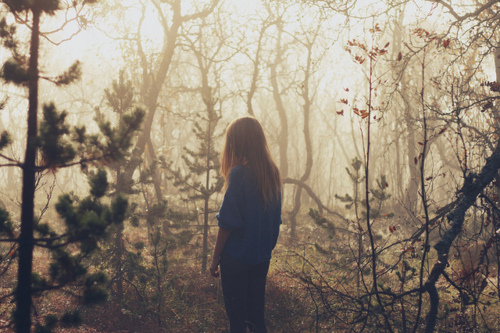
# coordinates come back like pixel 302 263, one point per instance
pixel 461 18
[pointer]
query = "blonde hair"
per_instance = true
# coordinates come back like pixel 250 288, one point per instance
pixel 246 144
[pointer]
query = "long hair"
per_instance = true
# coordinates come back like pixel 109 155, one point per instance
pixel 246 144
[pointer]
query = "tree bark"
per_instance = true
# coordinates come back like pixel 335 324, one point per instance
pixel 207 185
pixel 497 63
pixel 255 74
pixel 306 111
pixel 26 243
pixel 473 186
pixel 412 189
pixel 156 176
pixel 283 137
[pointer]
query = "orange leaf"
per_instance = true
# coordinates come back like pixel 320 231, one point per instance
pixel 359 59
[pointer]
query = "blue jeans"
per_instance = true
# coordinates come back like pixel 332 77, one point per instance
pixel 244 288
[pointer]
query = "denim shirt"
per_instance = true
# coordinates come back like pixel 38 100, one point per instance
pixel 254 228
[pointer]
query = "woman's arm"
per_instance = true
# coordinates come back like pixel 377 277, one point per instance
pixel 222 237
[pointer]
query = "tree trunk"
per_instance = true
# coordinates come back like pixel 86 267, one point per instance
pixel 119 247
pixel 412 189
pixel 153 91
pixel 283 136
pixel 473 186
pixel 497 63
pixel 306 111
pixel 205 238
pixel 207 196
pixel 26 243
pixel 156 176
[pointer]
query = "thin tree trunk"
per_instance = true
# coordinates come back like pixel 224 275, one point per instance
pixel 207 196
pixel 497 63
pixel 306 111
pixel 423 196
pixel 255 74
pixel 26 243
pixel 367 194
pixel 119 246
pixel 151 99
pixel 283 137
pixel 156 176
pixel 412 189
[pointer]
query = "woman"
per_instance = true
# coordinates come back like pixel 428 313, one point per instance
pixel 249 220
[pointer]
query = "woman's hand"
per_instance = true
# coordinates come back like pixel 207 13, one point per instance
pixel 214 268
pixel 222 237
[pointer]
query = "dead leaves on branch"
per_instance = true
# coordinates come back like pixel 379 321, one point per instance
pixel 373 53
pixel 362 113
pixel 430 37
pixel 494 86
pixel 359 52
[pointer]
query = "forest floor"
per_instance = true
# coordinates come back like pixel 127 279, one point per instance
pixel 193 303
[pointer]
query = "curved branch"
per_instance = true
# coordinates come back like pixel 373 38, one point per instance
pixel 204 13
pixel 313 196
pixel 473 186
pixel 461 18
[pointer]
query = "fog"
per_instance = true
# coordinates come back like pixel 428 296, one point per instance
pixel 388 102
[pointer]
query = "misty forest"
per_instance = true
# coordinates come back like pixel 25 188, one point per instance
pixel 382 116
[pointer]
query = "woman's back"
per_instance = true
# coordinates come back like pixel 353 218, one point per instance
pixel 254 225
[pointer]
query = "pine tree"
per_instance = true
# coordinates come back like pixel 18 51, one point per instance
pixel 201 163
pixel 120 99
pixel 379 194
pixel 115 257
pixel 52 144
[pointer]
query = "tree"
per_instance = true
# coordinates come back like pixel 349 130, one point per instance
pixel 305 89
pixel 155 73
pixel 120 98
pixel 449 107
pixel 205 160
pixel 49 139
pixel 202 162
pixel 277 14
pixel 292 85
